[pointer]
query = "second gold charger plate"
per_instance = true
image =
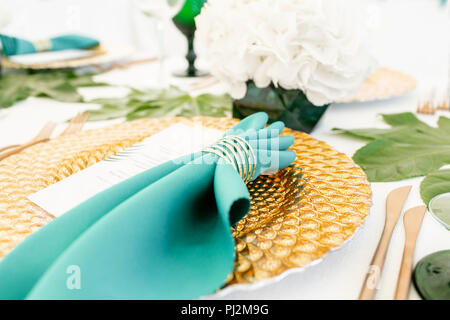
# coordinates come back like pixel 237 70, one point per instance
pixel 297 216
pixel 103 54
pixel 383 84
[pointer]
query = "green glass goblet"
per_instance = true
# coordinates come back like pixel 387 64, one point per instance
pixel 185 22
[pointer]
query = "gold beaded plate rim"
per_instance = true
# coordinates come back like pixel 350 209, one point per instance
pixel 383 84
pixel 308 210
pixel 247 287
pixel 104 53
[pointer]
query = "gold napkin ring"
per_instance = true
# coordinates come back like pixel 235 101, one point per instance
pixel 238 152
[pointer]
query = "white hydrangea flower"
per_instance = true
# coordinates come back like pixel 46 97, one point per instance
pixel 5 14
pixel 318 46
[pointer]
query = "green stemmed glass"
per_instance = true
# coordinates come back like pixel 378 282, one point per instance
pixel 185 22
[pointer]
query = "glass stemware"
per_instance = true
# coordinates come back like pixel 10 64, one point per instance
pixel 185 22
pixel 161 12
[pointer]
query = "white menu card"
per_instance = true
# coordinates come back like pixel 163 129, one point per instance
pixel 169 144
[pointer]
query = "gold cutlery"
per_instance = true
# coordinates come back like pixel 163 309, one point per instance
pixel 9 147
pixel 426 103
pixel 426 108
pixel 74 126
pixel 394 205
pixel 45 133
pixel 125 65
pixel 443 102
pixel 443 105
pixel 43 136
pixel 437 99
pixel 412 221
pixel 205 82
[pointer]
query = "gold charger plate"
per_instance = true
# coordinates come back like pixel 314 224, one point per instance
pixel 384 83
pixel 297 215
pixel 102 54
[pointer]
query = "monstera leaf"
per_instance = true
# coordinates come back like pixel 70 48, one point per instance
pixel 58 85
pixel 161 103
pixel 434 184
pixel 410 148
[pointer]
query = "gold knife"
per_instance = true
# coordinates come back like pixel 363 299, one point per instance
pixel 412 221
pixel 394 205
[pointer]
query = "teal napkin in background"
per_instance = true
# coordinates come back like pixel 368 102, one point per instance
pixel 14 46
pixel 162 234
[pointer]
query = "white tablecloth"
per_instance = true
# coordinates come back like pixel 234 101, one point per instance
pixel 409 35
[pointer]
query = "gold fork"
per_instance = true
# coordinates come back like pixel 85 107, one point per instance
pixel 45 133
pixel 43 136
pixel 443 100
pixel 74 126
pixel 426 103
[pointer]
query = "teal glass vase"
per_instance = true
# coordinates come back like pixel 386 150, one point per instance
pixel 290 106
pixel 185 22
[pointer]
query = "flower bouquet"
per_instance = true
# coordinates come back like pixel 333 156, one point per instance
pixel 289 58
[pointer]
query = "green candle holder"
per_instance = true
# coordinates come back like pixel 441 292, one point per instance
pixel 290 106
pixel 185 22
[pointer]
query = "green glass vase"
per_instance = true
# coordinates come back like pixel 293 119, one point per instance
pixel 290 106
pixel 185 22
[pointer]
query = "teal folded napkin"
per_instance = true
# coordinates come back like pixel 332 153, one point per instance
pixel 162 234
pixel 14 46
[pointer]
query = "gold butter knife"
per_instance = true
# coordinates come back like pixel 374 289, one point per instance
pixel 394 205
pixel 412 221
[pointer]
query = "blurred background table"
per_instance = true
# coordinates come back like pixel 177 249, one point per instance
pixel 409 35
